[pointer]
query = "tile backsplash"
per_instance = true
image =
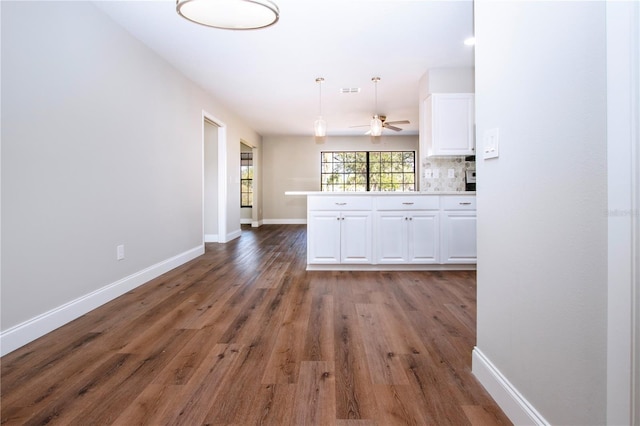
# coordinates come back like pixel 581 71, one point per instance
pixel 440 166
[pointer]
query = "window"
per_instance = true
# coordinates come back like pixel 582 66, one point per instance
pixel 368 171
pixel 246 179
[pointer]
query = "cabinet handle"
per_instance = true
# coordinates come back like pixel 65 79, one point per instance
pixel 466 203
pixel 408 204
pixel 341 204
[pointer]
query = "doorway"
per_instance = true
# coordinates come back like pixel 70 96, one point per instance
pixel 247 181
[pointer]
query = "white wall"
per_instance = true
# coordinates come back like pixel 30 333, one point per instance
pixel 101 145
pixel 542 225
pixel 292 163
pixel 446 80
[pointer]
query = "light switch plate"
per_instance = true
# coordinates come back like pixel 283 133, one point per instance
pixel 120 252
pixel 491 143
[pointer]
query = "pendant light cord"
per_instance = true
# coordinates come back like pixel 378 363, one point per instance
pixel 319 80
pixel 375 82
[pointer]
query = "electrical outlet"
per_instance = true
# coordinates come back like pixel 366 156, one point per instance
pixel 451 174
pixel 436 173
pixel 428 173
pixel 120 252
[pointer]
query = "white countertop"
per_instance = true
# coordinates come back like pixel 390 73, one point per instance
pixel 390 193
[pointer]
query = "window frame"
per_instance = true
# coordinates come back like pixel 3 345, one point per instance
pixel 358 175
pixel 249 181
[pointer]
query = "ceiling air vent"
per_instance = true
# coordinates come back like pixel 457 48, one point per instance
pixel 350 90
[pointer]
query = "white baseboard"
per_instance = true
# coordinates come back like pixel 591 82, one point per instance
pixel 247 221
pixel 512 403
pixel 233 235
pixel 215 238
pixel 256 224
pixel 211 238
pixel 389 267
pixel 21 334
pixel 285 221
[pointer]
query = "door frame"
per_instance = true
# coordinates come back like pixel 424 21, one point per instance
pixel 222 175
pixel 623 214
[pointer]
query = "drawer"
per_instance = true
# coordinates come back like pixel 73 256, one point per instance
pixel 332 202
pixel 407 202
pixel 456 202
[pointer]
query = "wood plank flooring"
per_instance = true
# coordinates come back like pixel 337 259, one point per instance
pixel 243 335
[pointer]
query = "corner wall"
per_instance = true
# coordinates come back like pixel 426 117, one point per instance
pixel 542 225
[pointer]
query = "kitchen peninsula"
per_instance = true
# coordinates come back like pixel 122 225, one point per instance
pixel 390 230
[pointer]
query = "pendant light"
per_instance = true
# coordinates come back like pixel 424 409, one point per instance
pixel 376 123
pixel 320 126
pixel 230 14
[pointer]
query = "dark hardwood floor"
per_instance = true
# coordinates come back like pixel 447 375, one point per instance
pixel 243 335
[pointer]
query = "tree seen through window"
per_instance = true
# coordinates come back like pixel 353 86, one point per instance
pixel 347 171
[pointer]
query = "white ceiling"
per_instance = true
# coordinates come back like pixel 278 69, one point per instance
pixel 268 76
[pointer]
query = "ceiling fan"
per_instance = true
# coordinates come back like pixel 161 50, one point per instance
pixel 391 125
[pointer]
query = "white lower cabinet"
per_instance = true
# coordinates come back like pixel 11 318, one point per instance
pixel 339 229
pixel 406 237
pixel 339 237
pixel 458 230
pixel 390 230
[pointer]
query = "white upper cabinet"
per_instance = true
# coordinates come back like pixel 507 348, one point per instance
pixel 447 125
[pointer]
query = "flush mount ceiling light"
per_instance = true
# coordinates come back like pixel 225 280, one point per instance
pixel 230 14
pixel 320 126
pixel 376 123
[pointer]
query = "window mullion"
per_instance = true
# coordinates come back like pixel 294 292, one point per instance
pixel 367 169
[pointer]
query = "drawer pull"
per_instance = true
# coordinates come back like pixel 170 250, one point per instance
pixel 341 204
pixel 408 204
pixel 465 203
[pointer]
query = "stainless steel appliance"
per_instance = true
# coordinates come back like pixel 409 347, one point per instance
pixel 470 180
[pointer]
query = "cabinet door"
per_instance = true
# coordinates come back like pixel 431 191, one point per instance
pixel 450 128
pixel 355 239
pixel 459 237
pixel 453 130
pixel 323 237
pixel 424 240
pixel 391 237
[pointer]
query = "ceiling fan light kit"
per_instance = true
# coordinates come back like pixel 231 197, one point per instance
pixel 230 14
pixel 376 126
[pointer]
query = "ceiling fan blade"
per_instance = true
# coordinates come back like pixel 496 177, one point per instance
pixel 387 126
pixel 368 132
pixel 398 122
pixel 361 125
